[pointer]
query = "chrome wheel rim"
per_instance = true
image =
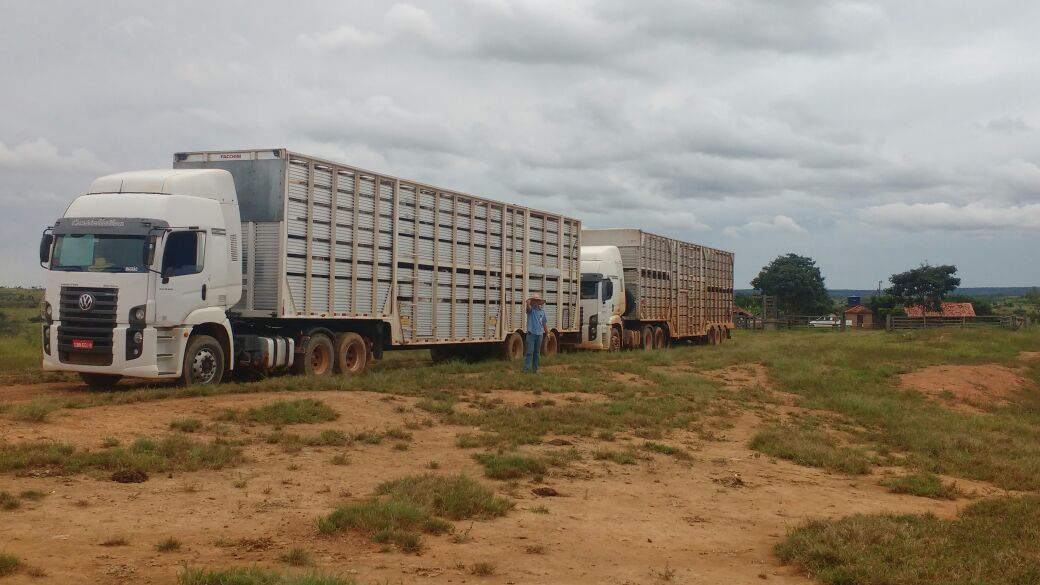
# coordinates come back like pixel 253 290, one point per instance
pixel 204 366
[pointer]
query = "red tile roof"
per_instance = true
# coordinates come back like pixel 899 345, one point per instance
pixel 948 310
pixel 858 310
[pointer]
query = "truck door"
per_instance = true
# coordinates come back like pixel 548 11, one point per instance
pixel 184 281
pixel 590 305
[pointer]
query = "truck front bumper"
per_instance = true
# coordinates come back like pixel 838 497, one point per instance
pixel 161 356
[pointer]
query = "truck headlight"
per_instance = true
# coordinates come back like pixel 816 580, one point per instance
pixel 48 312
pixel 138 338
pixel 137 315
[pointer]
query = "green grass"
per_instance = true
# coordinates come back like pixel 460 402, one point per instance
pixel 9 502
pixel 257 576
pixel 926 485
pixel 406 507
pixel 35 411
pixel 168 544
pixel 810 447
pixel 455 497
pixel 292 442
pixel 297 557
pixel 186 425
pixel 172 453
pixel 9 564
pixel 510 465
pixel 620 457
pixel 285 412
pixel 995 542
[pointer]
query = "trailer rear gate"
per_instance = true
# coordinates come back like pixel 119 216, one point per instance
pixel 687 285
pixel 326 240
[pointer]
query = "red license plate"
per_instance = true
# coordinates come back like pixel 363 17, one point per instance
pixel 82 344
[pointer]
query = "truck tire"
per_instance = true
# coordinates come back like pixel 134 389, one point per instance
pixel 351 354
pixel 713 336
pixel 647 338
pixel 550 345
pixel 317 359
pixel 441 355
pixel 99 381
pixel 513 347
pixel 615 339
pixel 203 361
pixel 660 338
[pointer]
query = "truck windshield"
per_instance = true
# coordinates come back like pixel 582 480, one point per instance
pixel 99 253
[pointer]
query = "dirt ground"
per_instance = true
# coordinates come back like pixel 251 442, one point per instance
pixel 711 520
pixel 967 388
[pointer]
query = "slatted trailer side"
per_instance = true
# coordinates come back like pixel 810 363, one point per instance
pixel 333 244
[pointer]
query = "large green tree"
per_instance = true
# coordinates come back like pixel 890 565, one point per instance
pixel 925 285
pixel 797 284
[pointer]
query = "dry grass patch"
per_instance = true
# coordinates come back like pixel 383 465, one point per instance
pixel 510 465
pixel 172 453
pixel 257 576
pixel 405 508
pixel 284 412
pixel 925 485
pixel 995 542
pixel 810 447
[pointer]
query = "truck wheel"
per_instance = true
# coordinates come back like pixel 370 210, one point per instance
pixel 660 338
pixel 513 347
pixel 550 345
pixel 647 339
pixel 713 336
pixel 203 361
pixel 615 339
pixel 351 354
pixel 317 359
pixel 98 381
pixel 440 354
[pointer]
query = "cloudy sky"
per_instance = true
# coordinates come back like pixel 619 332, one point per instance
pixel 872 136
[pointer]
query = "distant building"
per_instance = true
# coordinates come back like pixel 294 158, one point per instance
pixel 948 310
pixel 860 316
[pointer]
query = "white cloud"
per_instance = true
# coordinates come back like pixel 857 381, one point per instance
pixel 41 156
pixel 344 36
pixel 780 224
pixel 410 21
pixel 974 217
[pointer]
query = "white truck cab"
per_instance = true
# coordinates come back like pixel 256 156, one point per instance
pixel 141 271
pixel 602 298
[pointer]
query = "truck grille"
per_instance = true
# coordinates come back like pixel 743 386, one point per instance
pixel 85 333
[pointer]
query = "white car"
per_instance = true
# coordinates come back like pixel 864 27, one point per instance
pixel 828 321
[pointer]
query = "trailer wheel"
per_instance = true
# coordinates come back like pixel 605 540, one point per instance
pixel 513 347
pixel 647 338
pixel 713 336
pixel 660 338
pixel 99 381
pixel 615 339
pixel 203 361
pixel 317 358
pixel 351 354
pixel 550 345
pixel 440 354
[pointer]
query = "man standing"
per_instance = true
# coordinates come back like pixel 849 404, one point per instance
pixel 537 325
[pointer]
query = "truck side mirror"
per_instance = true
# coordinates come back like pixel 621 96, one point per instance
pixel 45 247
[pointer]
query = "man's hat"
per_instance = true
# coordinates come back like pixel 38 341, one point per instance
pixel 537 298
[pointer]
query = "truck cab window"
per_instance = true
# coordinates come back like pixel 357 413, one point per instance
pixel 184 253
pixel 588 289
pixel 608 290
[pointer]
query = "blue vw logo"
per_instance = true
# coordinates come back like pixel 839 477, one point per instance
pixel 86 301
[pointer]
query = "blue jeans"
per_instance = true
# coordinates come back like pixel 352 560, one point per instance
pixel 532 347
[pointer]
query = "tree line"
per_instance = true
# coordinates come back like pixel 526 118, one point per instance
pixel 799 288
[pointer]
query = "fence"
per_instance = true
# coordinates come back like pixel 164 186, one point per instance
pixel 898 323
